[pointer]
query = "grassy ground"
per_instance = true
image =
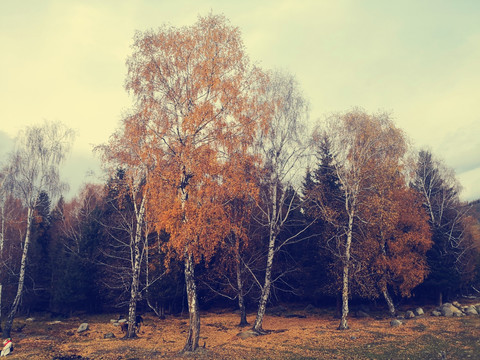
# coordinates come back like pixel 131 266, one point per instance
pixel 313 337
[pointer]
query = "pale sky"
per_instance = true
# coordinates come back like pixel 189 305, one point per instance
pixel 419 60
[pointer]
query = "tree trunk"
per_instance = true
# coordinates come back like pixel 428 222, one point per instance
pixel 346 265
pixel 343 320
pixel 132 306
pixel 136 264
pixel 257 326
pixel 440 298
pixel 2 240
pixel 21 278
pixel 132 312
pixel 194 327
pixel 391 306
pixel 241 300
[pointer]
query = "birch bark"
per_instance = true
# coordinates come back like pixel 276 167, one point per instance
pixel 257 326
pixel 21 278
pixel 345 280
pixel 194 326
pixel 136 265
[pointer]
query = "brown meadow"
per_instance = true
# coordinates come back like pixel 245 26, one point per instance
pixel 312 337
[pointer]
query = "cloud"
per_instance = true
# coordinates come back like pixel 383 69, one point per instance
pixel 470 181
pixel 80 168
pixel 66 61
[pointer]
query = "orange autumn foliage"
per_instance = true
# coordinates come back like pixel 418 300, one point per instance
pixel 197 115
pixel 399 237
pixel 390 233
pixel 395 226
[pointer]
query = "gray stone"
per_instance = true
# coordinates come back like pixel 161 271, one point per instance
pixel 446 311
pixel 419 311
pixel 409 314
pixel 83 327
pixel 436 313
pixel 471 310
pixel 457 304
pixel 54 322
pixel 395 322
pixel 109 336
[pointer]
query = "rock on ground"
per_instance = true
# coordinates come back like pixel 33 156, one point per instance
pixel 419 311
pixel 457 304
pixel 395 322
pixel 471 310
pixel 409 314
pixel 448 310
pixel 83 327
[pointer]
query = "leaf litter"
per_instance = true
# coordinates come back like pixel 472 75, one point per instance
pixel 311 337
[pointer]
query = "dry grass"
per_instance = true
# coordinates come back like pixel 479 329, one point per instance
pixel 313 337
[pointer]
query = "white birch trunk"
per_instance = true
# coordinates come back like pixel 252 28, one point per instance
pixel 257 326
pixel 386 294
pixel 194 326
pixel 2 240
pixel 132 306
pixel 21 279
pixel 346 266
pixel 391 305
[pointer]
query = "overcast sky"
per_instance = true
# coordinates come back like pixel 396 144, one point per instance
pixel 419 60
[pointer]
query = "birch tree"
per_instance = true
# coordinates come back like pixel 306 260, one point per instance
pixel 360 143
pixel 439 191
pixel 282 150
pixel 5 188
pixel 35 161
pixel 198 107
pixel 124 151
pixel 396 237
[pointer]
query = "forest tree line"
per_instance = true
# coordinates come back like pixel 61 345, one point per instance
pixel 219 194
